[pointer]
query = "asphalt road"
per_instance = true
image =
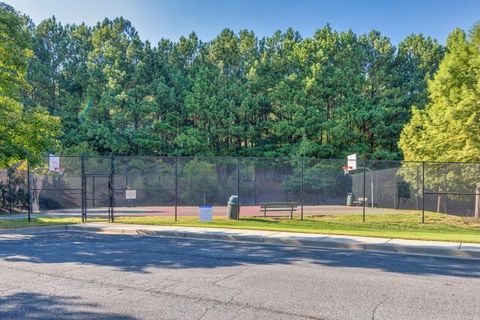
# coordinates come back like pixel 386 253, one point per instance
pixel 98 276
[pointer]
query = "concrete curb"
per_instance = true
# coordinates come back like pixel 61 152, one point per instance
pixel 41 229
pixel 443 249
pixel 444 252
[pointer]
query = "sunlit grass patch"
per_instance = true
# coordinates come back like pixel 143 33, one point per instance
pixel 405 225
pixel 439 227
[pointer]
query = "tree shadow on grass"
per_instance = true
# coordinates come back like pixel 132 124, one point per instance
pixel 139 253
pixel 25 305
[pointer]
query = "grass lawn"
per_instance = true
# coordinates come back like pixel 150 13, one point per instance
pixel 439 227
pixel 36 222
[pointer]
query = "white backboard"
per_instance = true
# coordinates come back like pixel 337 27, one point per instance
pixel 352 162
pixel 53 163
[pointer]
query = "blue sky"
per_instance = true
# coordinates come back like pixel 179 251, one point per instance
pixel 173 18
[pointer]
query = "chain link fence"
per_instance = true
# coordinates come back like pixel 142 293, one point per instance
pixel 14 188
pixel 108 186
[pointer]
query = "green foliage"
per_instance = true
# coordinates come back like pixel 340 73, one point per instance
pixel 323 177
pixel 453 107
pixel 198 182
pixel 24 133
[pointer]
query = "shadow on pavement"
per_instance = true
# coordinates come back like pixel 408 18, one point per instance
pixel 37 306
pixel 138 253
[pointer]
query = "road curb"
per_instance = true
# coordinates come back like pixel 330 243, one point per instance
pixel 321 242
pixel 444 252
pixel 40 229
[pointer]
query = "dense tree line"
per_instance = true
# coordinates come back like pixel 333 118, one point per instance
pixel 324 96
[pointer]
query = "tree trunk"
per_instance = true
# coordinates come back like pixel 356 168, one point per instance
pixel 477 201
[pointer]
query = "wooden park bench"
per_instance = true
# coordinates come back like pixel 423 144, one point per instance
pixel 360 201
pixel 278 206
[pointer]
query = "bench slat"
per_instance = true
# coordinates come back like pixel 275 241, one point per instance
pixel 278 206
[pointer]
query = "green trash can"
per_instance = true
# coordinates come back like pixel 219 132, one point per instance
pixel 233 209
pixel 350 199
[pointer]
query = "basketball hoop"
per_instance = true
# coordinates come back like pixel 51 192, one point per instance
pixel 351 164
pixel 346 169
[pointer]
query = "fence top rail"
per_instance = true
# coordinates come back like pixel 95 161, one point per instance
pixel 259 158
pixel 452 193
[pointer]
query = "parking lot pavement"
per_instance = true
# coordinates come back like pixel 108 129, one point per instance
pixel 79 275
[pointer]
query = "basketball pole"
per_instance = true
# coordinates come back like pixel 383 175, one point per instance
pixel 364 185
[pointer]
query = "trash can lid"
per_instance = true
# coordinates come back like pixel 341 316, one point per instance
pixel 233 199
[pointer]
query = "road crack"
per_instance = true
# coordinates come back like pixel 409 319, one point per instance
pixel 167 293
pixel 382 301
pixel 206 310
pixel 236 313
pixel 232 275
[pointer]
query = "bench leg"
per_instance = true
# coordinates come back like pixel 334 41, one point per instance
pixel 291 214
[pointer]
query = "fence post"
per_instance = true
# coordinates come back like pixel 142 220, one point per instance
pixel 238 187
pixel 364 186
pixel 10 193
pixel 254 179
pixel 84 200
pixel 395 192
pixel 29 193
pixel 176 187
pixel 417 205
pixel 302 190
pixel 93 192
pixel 111 191
pixel 423 191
